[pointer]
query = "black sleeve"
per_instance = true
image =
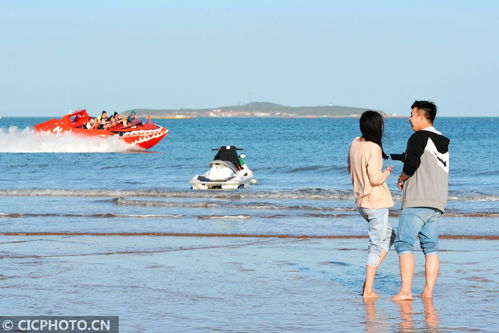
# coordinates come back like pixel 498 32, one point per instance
pixel 415 148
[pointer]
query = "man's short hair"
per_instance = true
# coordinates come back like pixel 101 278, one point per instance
pixel 429 108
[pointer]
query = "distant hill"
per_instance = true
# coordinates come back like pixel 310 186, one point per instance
pixel 257 109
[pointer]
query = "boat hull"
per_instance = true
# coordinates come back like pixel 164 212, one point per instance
pixel 196 184
pixel 144 136
pixel 236 179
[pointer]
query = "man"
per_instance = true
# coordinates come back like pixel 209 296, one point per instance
pixel 424 181
pixel 102 117
pixel 103 120
pixel 132 119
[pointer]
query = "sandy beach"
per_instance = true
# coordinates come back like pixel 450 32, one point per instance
pixel 226 284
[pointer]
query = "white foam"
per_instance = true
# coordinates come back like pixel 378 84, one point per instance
pixel 303 194
pixel 27 140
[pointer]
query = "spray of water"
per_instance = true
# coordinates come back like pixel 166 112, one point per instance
pixel 27 140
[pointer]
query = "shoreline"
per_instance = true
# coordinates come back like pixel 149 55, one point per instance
pixel 220 235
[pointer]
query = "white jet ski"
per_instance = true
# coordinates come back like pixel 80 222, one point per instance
pixel 228 171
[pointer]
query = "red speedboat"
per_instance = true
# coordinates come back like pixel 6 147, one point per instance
pixel 145 135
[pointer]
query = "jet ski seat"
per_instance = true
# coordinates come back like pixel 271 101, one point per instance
pixel 205 179
pixel 228 153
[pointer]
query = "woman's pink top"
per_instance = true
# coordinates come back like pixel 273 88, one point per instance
pixel 365 163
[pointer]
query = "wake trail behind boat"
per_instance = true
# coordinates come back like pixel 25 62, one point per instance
pixel 27 140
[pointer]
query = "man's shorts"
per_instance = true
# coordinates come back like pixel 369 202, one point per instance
pixel 418 222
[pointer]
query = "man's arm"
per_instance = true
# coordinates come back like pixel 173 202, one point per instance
pixel 415 148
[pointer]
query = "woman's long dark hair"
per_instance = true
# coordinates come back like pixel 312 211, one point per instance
pixel 371 127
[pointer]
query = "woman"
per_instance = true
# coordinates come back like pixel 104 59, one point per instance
pixel 92 124
pixel 365 163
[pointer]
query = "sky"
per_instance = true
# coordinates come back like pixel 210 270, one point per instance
pixel 57 56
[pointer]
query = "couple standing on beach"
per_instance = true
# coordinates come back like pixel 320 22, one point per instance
pixel 424 182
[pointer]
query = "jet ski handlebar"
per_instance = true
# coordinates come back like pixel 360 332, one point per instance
pixel 214 149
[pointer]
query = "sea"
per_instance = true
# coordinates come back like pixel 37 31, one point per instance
pixel 71 184
pixel 92 226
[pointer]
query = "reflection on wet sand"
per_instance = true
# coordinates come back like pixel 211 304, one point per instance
pixel 373 323
pixel 410 321
pixel 431 316
pixel 408 324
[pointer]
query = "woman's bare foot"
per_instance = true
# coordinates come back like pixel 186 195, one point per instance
pixel 372 294
pixel 402 297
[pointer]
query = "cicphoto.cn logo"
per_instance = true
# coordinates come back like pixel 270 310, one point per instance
pixel 63 324
pixel 7 325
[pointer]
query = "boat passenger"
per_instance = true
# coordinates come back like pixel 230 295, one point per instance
pixel 112 123
pixel 103 120
pixel 102 116
pixel 92 123
pixel 103 123
pixel 132 119
pixel 120 119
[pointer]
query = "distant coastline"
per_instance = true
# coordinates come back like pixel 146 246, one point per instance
pixel 259 109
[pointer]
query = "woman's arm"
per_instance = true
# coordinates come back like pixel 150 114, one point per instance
pixel 374 166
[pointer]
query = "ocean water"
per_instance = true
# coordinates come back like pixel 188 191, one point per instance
pixel 55 184
pixel 90 227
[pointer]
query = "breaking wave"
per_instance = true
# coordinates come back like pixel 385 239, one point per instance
pixel 347 213
pixel 27 140
pixel 225 217
pixel 104 215
pixel 270 206
pixel 300 194
pixel 210 204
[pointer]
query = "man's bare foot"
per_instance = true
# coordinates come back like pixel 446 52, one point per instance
pixel 402 297
pixel 427 293
pixel 372 294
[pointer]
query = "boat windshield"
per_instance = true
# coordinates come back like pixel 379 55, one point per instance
pixel 78 119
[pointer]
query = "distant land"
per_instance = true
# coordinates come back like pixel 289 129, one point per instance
pixel 260 109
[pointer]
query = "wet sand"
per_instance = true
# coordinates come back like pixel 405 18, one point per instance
pixel 234 284
pixel 216 235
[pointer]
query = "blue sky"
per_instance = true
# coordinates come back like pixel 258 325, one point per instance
pixel 117 55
